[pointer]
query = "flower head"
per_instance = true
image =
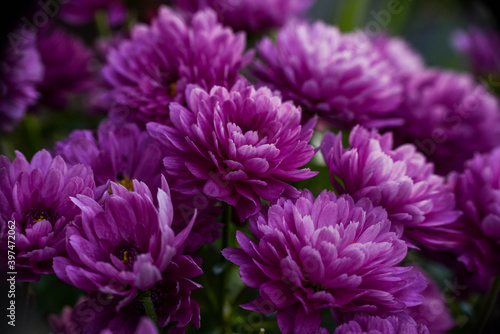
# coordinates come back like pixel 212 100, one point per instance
pixel 444 111
pixel 62 78
pixel 152 68
pixel 420 205
pixel 36 197
pixel 343 77
pixel 20 71
pixel 362 323
pixel 324 253
pixel 124 247
pixel 478 195
pixel 250 15
pixel 236 146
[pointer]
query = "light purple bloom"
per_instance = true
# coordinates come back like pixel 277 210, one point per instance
pixel 362 323
pixel 152 68
pixel 420 205
pixel 478 196
pixel 250 15
pixel 20 71
pixel 123 153
pixel 320 253
pixel 449 117
pixel 36 196
pixel 81 12
pixel 343 77
pixel 67 63
pixel 236 146
pixel 124 247
pixel 481 47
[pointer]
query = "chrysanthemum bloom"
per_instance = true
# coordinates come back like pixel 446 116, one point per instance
pixel 80 12
pixel 36 197
pixel 343 77
pixel 433 312
pixel 67 63
pixel 481 47
pixel 124 153
pixel 20 71
pixel 324 253
pixel 250 15
pixel 444 111
pixel 478 195
pixel 399 53
pixel 420 205
pixel 363 323
pixel 238 146
pixel 153 67
pixel 125 247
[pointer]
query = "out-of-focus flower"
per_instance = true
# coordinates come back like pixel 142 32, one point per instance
pixel 250 15
pixel 448 117
pixel 481 47
pixel 420 205
pixel 478 195
pixel 236 146
pixel 343 77
pixel 363 323
pixel 80 12
pixel 20 72
pixel 67 63
pixel 433 312
pixel 152 68
pixel 320 253
pixel 36 197
pixel 126 247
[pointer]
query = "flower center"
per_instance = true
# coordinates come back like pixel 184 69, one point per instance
pixel 124 181
pixel 38 214
pixel 126 253
pixel 172 89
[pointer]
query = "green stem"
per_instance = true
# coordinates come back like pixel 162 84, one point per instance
pixel 101 21
pixel 351 13
pixel 486 308
pixel 224 244
pixel 150 309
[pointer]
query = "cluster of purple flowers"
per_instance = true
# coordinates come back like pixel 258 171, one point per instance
pixel 122 213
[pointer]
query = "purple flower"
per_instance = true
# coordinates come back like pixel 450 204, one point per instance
pixel 124 247
pixel 363 323
pixel 481 47
pixel 36 197
pixel 124 153
pixel 433 312
pixel 444 111
pixel 81 12
pixel 420 205
pixel 152 68
pixel 250 15
pixel 343 77
pixel 478 195
pixel 67 66
pixel 324 253
pixel 236 146
pixel 20 71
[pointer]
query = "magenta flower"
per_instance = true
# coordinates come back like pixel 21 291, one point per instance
pixel 363 323
pixel 125 247
pixel 81 12
pixel 444 111
pixel 152 68
pixel 36 197
pixel 343 77
pixel 250 15
pixel 20 72
pixel 481 48
pixel 67 63
pixel 124 153
pixel 320 253
pixel 478 196
pixel 420 205
pixel 236 146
